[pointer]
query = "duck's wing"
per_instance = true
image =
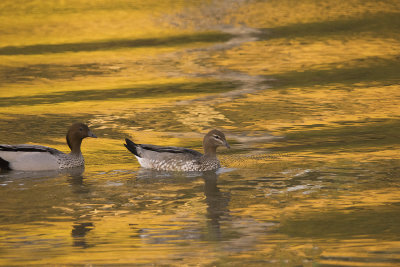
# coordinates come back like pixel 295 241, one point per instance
pixel 171 149
pixel 28 148
pixel 167 157
pixel 143 150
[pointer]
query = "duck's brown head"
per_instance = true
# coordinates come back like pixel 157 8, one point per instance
pixel 76 133
pixel 212 140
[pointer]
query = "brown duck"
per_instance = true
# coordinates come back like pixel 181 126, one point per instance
pixel 170 158
pixel 41 158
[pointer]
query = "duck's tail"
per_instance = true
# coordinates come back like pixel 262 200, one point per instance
pixel 131 146
pixel 4 165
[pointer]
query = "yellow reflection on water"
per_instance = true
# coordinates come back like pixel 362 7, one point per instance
pixel 43 22
pixel 279 56
pixel 321 77
pixel 282 13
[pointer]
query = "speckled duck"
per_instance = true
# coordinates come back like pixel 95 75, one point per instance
pixel 169 158
pixel 42 158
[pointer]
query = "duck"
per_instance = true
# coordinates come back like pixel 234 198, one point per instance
pixel 170 158
pixel 42 158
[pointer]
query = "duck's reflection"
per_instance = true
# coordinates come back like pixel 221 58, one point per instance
pixel 65 202
pixel 242 232
pixel 79 231
pixel 216 200
pixel 217 205
pixel 82 224
pixel 11 175
pixel 149 175
pixel 76 180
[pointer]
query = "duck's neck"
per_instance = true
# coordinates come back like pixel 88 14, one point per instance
pixel 75 145
pixel 209 150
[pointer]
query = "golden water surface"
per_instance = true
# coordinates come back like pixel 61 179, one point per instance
pixel 307 92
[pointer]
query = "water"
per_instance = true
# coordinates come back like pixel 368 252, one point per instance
pixel 306 92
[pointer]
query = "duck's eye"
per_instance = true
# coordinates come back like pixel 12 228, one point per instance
pixel 217 137
pixel 81 129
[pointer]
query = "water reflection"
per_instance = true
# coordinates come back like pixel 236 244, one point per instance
pixel 73 173
pixel 114 44
pixel 79 232
pixel 308 92
pixel 117 93
pixel 14 181
pixel 216 210
pixel 217 205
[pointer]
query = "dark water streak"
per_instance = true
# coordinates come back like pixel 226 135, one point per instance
pixel 208 37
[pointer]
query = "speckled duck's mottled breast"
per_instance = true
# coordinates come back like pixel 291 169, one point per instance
pixel 179 164
pixel 70 161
